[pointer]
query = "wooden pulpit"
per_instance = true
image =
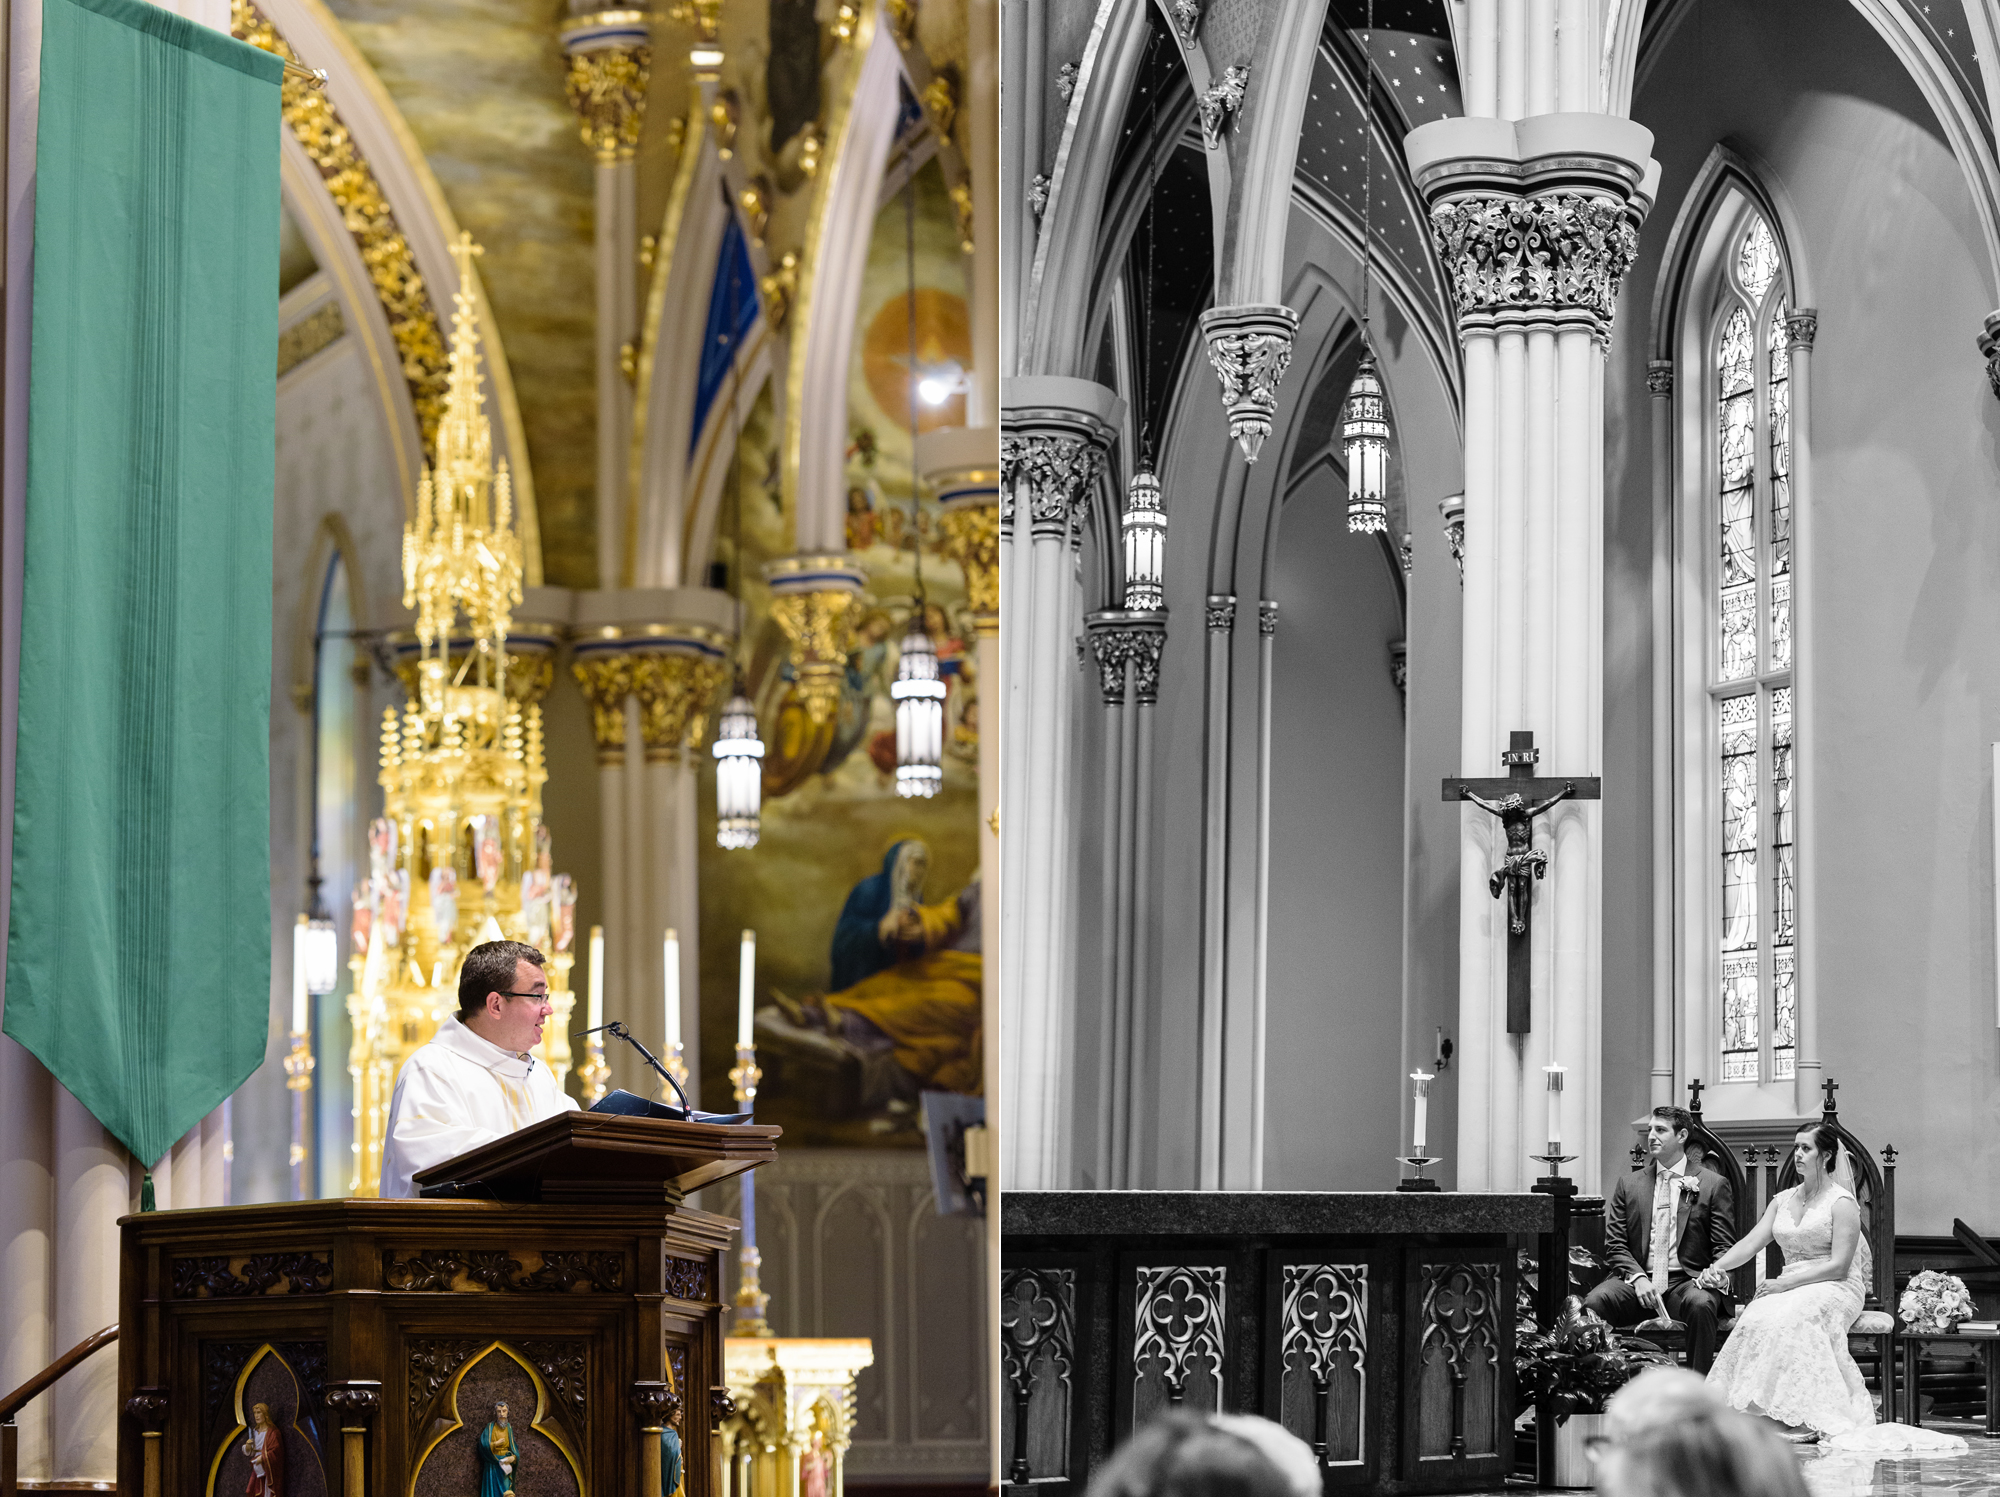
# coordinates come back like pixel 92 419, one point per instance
pixel 566 1281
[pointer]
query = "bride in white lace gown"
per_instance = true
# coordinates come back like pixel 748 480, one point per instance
pixel 1786 1357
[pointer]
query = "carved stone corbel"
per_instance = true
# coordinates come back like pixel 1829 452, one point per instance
pixel 1187 21
pixel 610 64
pixel 1452 507
pixel 1221 99
pixel 1989 350
pixel 1249 347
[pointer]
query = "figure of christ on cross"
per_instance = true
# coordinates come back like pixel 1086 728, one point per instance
pixel 1517 800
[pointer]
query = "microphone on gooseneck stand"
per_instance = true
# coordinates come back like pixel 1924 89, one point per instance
pixel 618 1029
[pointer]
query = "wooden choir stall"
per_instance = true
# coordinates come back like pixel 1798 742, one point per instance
pixel 570 1283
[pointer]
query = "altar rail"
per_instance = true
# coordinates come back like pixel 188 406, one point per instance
pixel 1377 1326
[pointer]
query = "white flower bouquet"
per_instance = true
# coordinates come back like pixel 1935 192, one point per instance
pixel 1935 1301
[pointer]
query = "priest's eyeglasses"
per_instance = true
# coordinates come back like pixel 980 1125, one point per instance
pixel 498 994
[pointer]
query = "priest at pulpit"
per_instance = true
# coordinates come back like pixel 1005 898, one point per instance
pixel 476 1080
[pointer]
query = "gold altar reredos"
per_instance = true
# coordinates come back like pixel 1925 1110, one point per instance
pixel 460 855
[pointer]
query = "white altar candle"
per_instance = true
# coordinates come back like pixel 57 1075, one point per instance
pixel 673 969
pixel 299 976
pixel 1422 1089
pixel 596 977
pixel 1555 1074
pixel 746 989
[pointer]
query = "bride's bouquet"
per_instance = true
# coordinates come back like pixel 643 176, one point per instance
pixel 1935 1301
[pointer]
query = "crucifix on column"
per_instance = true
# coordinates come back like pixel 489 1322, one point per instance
pixel 1517 800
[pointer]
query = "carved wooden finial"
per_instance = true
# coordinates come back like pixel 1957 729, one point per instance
pixel 1829 1086
pixel 1695 1089
pixel 1889 1155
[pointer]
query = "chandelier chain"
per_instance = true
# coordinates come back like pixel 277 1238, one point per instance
pixel 1367 165
pixel 910 261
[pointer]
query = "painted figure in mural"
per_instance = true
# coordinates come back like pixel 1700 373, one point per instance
pixel 497 1454
pixel 266 1450
pixel 868 677
pixel 906 976
pixel 860 519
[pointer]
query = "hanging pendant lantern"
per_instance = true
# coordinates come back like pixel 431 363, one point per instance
pixel 1145 543
pixel 919 695
pixel 1365 434
pixel 322 950
pixel 739 774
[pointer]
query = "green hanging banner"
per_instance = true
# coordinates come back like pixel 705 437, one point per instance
pixel 139 941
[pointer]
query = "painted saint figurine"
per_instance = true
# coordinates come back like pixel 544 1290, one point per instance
pixel 266 1450
pixel 670 1461
pixel 497 1454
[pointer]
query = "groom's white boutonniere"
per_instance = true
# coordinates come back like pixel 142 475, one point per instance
pixel 1687 1185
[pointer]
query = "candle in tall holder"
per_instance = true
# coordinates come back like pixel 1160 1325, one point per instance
pixel 1417 1159
pixel 594 1076
pixel 676 1056
pixel 299 1065
pixel 1555 1159
pixel 744 1076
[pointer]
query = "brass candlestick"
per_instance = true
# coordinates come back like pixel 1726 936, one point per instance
pixel 676 1064
pixel 751 1299
pixel 298 1081
pixel 745 1075
pixel 593 1076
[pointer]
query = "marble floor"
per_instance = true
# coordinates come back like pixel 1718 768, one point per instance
pixel 1831 1474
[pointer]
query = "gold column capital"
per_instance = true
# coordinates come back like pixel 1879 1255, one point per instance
pixel 676 691
pixel 610 64
pixel 970 536
pixel 811 596
pixel 606 679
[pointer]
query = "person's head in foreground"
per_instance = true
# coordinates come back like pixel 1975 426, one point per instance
pixel 1667 1435
pixel 1221 1455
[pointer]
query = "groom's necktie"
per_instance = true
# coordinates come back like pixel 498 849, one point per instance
pixel 1663 1229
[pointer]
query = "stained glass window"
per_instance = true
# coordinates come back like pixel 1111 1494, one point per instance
pixel 1739 888
pixel 1750 688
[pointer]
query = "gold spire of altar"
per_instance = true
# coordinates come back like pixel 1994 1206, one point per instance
pixel 460 855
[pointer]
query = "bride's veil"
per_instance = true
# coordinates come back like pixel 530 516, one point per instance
pixel 1843 1176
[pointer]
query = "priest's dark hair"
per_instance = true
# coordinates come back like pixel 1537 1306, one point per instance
pixel 490 969
pixel 1678 1118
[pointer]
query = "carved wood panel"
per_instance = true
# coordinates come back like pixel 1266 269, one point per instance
pixel 1459 1398
pixel 1323 1351
pixel 1037 1355
pixel 1178 1355
pixel 467 1270
pixel 250 1274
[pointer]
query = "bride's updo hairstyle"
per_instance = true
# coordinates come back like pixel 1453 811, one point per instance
pixel 1825 1142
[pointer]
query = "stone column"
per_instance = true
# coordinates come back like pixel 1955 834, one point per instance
pixel 1250 348
pixel 27 1239
pixel 610 58
pixel 676 689
pixel 1801 328
pixel 1126 647
pixel 1056 434
pixel 605 673
pixel 1660 386
pixel 1535 220
pixel 92 1190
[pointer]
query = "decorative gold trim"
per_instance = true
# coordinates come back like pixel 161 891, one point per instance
pixel 316 124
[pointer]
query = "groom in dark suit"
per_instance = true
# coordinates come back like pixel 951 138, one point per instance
pixel 1662 1226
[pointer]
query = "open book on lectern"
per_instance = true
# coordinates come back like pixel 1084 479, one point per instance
pixel 626 1104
